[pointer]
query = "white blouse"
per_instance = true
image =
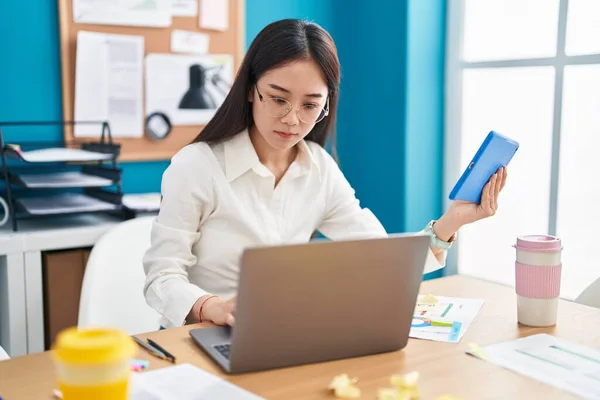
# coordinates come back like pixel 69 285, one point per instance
pixel 219 199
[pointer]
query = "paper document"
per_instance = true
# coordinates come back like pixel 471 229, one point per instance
pixel 63 180
pixel 109 81
pixel 63 203
pixel 184 8
pixel 61 154
pixel 184 382
pixel 551 360
pixel 187 88
pixel 443 319
pixel 189 42
pixel 214 14
pixel 142 202
pixel 152 13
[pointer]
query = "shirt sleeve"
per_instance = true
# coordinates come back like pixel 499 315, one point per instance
pixel 432 263
pixel 186 200
pixel 345 219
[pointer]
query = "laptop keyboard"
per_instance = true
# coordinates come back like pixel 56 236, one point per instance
pixel 223 349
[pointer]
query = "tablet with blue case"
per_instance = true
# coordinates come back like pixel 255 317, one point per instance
pixel 495 152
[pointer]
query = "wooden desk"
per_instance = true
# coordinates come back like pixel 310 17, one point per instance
pixel 444 367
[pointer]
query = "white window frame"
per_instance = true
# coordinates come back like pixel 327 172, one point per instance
pixel 453 101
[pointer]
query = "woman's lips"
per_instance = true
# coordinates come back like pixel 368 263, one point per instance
pixel 285 135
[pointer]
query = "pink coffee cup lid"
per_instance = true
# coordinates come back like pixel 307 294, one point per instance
pixel 538 243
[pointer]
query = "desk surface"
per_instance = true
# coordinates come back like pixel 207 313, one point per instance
pixel 444 367
pixel 57 233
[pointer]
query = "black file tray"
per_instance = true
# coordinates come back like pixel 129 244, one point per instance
pixel 49 179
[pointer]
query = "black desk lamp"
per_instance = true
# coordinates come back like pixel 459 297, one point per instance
pixel 197 97
pixel 219 83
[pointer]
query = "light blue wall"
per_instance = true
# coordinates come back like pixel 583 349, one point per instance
pixel 391 102
pixel 372 49
pixel 259 13
pixel 423 154
pixel 391 107
pixel 30 65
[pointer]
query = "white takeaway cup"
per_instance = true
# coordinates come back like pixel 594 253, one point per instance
pixel 538 270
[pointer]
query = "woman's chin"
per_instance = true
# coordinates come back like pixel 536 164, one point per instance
pixel 281 142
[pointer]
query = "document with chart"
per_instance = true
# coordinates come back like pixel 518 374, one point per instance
pixel 443 319
pixel 557 362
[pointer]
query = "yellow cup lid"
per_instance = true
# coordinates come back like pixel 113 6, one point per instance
pixel 93 346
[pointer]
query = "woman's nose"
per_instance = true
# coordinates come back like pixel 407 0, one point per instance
pixel 291 118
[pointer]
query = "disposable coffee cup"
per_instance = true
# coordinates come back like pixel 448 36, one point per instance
pixel 93 364
pixel 538 269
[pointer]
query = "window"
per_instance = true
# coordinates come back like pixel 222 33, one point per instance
pixel 529 69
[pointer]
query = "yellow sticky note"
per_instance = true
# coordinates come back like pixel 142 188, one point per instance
pixel 341 380
pixel 479 352
pixel 405 381
pixel 407 385
pixel 394 394
pixel 387 394
pixel 410 393
pixel 343 387
pixel 428 299
pixel 347 392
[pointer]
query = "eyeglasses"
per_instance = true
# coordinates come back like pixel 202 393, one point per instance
pixel 279 108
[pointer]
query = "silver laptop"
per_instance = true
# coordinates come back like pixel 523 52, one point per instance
pixel 320 301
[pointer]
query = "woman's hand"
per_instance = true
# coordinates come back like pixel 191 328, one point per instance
pixel 461 213
pixel 215 310
pixel 466 212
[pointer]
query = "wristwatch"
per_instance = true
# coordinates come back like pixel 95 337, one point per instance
pixel 436 241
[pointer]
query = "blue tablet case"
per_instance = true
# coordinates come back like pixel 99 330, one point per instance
pixel 496 151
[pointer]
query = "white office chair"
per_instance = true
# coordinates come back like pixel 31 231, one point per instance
pixel 3 355
pixel 112 290
pixel 591 295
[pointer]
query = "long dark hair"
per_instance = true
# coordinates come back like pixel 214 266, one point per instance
pixel 278 43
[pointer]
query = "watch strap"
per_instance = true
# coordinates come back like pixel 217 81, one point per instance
pixel 436 241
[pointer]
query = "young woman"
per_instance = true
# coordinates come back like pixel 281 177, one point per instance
pixel 259 174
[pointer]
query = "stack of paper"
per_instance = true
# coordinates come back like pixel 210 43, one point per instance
pixel 63 203
pixel 142 201
pixel 444 319
pixel 554 361
pixel 184 382
pixel 61 154
pixel 63 180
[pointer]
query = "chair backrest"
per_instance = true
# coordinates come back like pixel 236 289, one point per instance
pixel 3 355
pixel 591 295
pixel 112 290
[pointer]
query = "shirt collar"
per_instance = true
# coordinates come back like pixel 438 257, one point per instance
pixel 305 159
pixel 240 157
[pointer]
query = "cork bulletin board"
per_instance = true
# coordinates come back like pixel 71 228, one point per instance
pixel 156 40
